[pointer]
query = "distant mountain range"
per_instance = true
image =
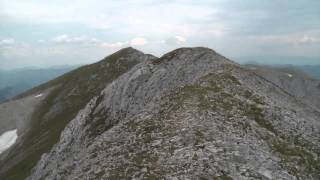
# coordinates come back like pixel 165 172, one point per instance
pixel 13 82
pixel 189 114
pixel 312 70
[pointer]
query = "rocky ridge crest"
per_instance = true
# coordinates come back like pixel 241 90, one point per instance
pixel 191 114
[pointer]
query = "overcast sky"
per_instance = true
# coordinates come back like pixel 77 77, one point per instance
pixel 46 33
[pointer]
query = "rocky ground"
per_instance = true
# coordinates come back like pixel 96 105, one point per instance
pixel 191 114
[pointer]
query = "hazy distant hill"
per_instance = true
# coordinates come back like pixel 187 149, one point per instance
pixel 309 70
pixel 13 82
pixel 313 71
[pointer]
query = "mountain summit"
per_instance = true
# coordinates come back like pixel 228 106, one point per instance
pixel 190 114
pixel 45 116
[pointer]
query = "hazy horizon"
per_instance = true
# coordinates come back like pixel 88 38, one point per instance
pixel 44 34
pixel 295 61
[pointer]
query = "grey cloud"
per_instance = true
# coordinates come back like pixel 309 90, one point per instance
pixel 271 17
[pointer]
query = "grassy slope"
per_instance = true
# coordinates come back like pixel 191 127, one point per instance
pixel 71 92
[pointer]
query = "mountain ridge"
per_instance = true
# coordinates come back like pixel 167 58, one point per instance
pixel 191 113
pixel 68 94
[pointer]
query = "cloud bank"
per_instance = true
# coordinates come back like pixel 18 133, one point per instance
pixel 42 33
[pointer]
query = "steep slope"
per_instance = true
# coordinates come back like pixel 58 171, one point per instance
pixel 68 94
pixel 293 81
pixel 15 114
pixel 191 114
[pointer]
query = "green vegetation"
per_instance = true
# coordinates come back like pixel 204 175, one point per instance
pixel 71 92
pixel 293 154
pixel 258 100
pixel 212 83
pixel 221 85
pixel 295 157
pixel 199 137
pixel 228 76
pixel 253 111
pixel 137 158
pixel 200 93
pixel 98 125
pixel 247 94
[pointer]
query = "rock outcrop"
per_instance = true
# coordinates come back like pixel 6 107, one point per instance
pixel 191 114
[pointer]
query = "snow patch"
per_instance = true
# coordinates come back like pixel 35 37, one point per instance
pixel 266 173
pixel 7 139
pixel 39 95
pixel 290 75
